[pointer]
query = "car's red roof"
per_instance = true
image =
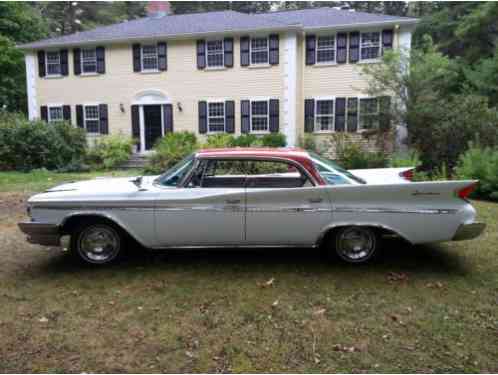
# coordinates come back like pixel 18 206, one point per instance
pixel 293 153
pixel 298 155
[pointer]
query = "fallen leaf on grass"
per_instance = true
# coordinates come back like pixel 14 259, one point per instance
pixel 189 354
pixel 436 285
pixel 43 320
pixel 319 312
pixel 267 283
pixel 397 277
pixel 345 349
pixel 275 304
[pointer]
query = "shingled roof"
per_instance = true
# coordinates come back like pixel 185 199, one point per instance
pixel 198 24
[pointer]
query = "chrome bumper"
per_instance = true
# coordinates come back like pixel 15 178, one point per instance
pixel 41 233
pixel 468 231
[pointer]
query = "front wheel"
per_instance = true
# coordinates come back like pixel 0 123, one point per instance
pixel 97 243
pixel 356 244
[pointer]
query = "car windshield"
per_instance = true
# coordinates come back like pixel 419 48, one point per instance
pixel 176 173
pixel 332 173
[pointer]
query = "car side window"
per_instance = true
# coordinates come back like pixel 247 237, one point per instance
pixel 219 174
pixel 275 174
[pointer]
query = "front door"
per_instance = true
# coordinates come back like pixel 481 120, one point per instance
pixel 152 125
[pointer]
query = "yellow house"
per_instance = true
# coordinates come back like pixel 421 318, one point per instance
pixel 290 72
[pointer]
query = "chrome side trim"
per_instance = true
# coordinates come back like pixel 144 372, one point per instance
pixel 381 210
pixel 468 231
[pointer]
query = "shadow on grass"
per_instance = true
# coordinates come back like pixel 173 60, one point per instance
pixel 396 256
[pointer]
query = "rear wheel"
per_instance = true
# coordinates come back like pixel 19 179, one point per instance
pixel 355 244
pixel 97 243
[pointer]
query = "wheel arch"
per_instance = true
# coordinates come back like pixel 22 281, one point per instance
pixel 72 220
pixel 383 229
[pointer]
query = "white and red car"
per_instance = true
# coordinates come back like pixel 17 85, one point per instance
pixel 250 197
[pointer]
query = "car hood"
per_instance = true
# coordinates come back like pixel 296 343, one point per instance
pixel 95 189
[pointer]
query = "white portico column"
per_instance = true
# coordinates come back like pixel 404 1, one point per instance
pixel 290 88
pixel 31 85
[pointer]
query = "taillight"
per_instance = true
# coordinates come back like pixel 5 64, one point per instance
pixel 465 192
pixel 407 175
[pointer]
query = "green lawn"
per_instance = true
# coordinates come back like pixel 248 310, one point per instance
pixel 39 180
pixel 414 309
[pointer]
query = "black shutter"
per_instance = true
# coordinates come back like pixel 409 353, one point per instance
pixel 162 56
pixel 202 117
pixel 104 119
pixel 387 39
pixel 310 49
pixel 340 114
pixel 79 116
pixel 352 109
pixel 273 58
pixel 201 54
pixel 137 57
pixel 168 118
pixel 230 116
pixel 64 66
pixel 77 61
pixel 354 47
pixel 244 50
pixel 100 52
pixel 135 124
pixel 41 63
pixel 274 115
pixel 385 112
pixel 44 113
pixel 66 113
pixel 309 115
pixel 342 48
pixel 228 52
pixel 245 116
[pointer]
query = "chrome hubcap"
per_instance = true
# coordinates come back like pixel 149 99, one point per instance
pixel 99 244
pixel 355 244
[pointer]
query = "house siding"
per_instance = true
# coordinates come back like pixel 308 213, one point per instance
pixel 182 82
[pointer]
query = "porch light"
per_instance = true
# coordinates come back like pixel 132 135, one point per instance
pixel 121 107
pixel 179 106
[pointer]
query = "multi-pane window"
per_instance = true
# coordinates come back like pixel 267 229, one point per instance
pixel 259 116
pixel 214 53
pixel 324 118
pixel 325 49
pixel 53 63
pixel 259 50
pixel 370 45
pixel 91 113
pixel 89 60
pixel 55 114
pixel 369 113
pixel 149 57
pixel 216 117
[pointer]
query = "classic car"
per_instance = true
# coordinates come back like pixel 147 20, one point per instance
pixel 249 197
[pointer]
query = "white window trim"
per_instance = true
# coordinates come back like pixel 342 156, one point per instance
pixel 142 69
pixel 57 105
pixel 81 62
pixel 334 62
pixel 377 59
pixel 214 67
pixel 324 98
pixel 220 101
pixel 53 75
pixel 359 129
pixel 84 117
pixel 267 63
pixel 256 99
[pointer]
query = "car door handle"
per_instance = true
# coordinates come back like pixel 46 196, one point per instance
pixel 232 201
pixel 315 200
